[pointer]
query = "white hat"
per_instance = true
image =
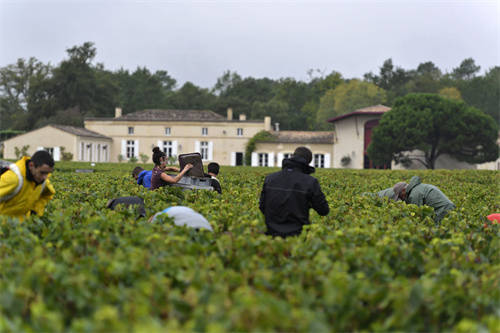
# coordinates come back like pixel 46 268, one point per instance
pixel 185 216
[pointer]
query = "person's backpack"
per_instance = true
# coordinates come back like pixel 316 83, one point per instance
pixel 136 202
pixel 20 178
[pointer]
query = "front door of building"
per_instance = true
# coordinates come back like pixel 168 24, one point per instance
pixel 367 164
pixel 239 159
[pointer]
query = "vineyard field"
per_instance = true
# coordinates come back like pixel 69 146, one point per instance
pixel 369 265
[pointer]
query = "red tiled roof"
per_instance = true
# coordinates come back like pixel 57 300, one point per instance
pixel 370 110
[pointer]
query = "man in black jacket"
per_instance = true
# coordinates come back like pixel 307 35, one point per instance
pixel 213 172
pixel 288 194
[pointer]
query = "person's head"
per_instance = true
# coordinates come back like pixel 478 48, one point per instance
pixel 137 170
pixel 159 157
pixel 213 168
pixel 304 153
pixel 41 165
pixel 400 190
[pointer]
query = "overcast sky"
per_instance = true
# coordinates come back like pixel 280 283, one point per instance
pixel 198 40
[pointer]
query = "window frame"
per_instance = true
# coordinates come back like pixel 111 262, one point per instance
pixel 204 147
pixel 263 159
pixel 319 160
pixel 49 150
pixel 130 149
pixel 168 148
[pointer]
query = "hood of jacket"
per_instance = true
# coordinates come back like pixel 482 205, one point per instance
pixel 414 181
pixel 297 162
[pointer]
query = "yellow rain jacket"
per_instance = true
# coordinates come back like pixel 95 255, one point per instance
pixel 29 197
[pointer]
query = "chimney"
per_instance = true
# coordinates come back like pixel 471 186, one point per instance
pixel 277 127
pixel 267 123
pixel 243 117
pixel 118 112
pixel 229 114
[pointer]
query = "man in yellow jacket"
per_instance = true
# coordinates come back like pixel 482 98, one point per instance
pixel 25 187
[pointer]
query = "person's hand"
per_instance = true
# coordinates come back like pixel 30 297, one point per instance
pixel 188 166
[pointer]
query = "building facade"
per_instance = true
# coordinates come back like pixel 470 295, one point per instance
pixel 83 144
pixel 216 138
pixel 271 153
pixel 352 135
pixel 353 132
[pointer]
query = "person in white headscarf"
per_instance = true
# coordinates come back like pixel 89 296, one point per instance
pixel 184 216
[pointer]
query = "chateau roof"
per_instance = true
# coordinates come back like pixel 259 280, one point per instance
pixel 79 131
pixel 172 115
pixel 370 110
pixel 302 137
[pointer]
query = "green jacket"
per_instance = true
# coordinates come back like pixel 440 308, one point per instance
pixel 426 194
pixel 389 193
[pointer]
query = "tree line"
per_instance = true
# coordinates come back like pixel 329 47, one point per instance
pixel 34 94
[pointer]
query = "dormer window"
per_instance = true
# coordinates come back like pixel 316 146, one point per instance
pixel 167 131
pixel 204 131
pixel 130 130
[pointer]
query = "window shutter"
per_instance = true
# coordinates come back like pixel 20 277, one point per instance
pixel 327 161
pixel 160 144
pixel 210 151
pixel 280 160
pixel 174 148
pixel 57 154
pixel 233 159
pixel 124 149
pixel 82 150
pixel 94 152
pixel 197 147
pixel 271 159
pixel 255 159
pixel 136 148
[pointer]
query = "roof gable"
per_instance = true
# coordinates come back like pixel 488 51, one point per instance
pixel 370 110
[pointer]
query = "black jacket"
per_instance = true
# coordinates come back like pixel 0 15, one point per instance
pixel 287 196
pixel 214 182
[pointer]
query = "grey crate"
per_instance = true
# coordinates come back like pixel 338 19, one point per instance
pixel 194 183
